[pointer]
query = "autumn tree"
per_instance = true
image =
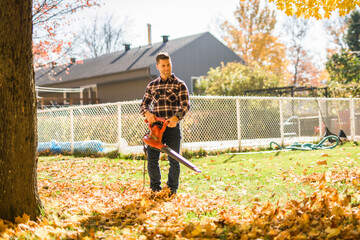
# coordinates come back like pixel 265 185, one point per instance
pixel 233 79
pixel 252 37
pixel 18 133
pixel 50 18
pixel 317 9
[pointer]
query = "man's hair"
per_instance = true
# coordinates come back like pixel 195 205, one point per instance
pixel 162 55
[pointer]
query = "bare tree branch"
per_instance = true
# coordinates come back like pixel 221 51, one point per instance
pixel 102 37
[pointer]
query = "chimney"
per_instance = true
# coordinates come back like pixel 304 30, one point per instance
pixel 149 33
pixel 127 46
pixel 165 38
pixel 53 65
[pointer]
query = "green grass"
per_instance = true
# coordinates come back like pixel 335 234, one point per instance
pixel 104 198
pixel 241 178
pixel 263 177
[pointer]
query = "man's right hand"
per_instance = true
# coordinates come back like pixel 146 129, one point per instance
pixel 150 117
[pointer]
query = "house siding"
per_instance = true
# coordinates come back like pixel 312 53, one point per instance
pixel 198 57
pixel 123 91
pixel 112 88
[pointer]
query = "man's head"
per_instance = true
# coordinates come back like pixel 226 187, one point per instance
pixel 162 55
pixel 163 64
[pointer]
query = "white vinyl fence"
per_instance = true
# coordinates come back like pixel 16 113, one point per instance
pixel 212 123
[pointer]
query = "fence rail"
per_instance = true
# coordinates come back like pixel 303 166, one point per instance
pixel 212 122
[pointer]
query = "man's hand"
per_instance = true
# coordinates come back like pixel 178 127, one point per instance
pixel 150 117
pixel 172 121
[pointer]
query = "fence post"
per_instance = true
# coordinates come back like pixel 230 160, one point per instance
pixel 321 132
pixel 352 118
pixel 238 118
pixel 281 122
pixel 119 128
pixel 72 130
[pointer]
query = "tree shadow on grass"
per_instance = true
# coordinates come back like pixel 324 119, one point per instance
pixel 228 159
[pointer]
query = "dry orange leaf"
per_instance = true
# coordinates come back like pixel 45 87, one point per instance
pixel 197 231
pixel 321 162
pixel 24 219
pixel 324 154
pixel 207 177
pixel 332 232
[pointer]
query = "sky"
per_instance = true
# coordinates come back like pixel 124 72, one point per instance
pixel 174 18
pixel 183 18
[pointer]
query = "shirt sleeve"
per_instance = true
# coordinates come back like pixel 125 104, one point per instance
pixel 146 101
pixel 184 101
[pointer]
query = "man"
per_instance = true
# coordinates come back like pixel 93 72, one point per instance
pixel 169 97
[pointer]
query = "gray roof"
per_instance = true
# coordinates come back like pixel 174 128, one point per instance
pixel 135 58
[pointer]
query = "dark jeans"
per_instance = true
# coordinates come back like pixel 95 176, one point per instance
pixel 171 138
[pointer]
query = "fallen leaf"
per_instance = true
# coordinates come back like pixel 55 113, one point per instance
pixel 332 232
pixel 207 177
pixel 24 219
pixel 197 231
pixel 321 162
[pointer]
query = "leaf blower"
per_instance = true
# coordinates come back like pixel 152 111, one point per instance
pixel 154 140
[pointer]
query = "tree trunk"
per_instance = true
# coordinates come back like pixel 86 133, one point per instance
pixel 18 119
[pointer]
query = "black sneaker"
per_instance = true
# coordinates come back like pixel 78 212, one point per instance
pixel 173 192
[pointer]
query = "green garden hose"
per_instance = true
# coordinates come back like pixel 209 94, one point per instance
pixel 310 146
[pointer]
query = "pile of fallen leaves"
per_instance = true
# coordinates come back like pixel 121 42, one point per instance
pixel 84 201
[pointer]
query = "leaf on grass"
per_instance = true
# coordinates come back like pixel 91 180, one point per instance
pixel 197 231
pixel 207 177
pixel 332 232
pixel 42 232
pixel 142 217
pixel 144 203
pixel 321 162
pixel 24 219
pixel 337 211
pixel 305 218
pixel 273 232
pixel 3 226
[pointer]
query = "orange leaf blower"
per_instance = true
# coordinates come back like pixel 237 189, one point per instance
pixel 154 140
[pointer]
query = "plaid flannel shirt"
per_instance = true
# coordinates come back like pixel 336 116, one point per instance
pixel 168 98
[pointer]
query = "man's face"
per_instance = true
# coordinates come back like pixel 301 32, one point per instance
pixel 164 67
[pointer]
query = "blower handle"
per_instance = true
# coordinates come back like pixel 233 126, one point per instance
pixel 157 119
pixel 165 123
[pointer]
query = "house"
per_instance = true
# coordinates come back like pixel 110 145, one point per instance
pixel 123 75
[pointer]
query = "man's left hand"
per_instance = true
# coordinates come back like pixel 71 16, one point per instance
pixel 172 121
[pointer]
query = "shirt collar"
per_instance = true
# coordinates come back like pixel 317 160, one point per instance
pixel 170 79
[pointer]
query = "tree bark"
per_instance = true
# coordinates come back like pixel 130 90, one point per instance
pixel 18 119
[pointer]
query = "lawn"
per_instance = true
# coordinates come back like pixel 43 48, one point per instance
pixel 277 195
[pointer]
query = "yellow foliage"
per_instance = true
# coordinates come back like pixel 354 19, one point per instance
pixel 318 9
pixel 253 40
